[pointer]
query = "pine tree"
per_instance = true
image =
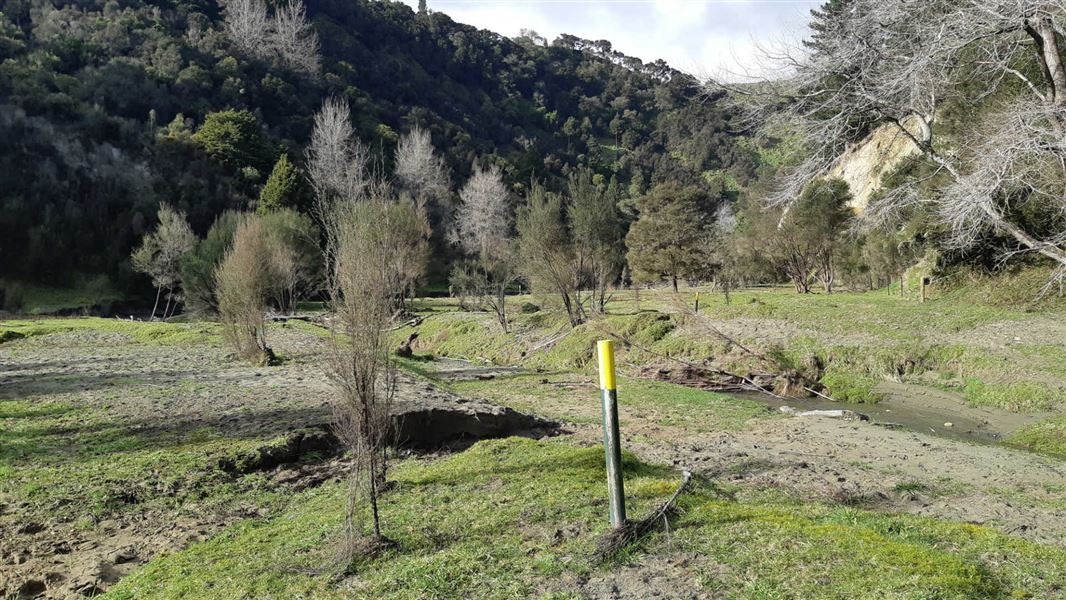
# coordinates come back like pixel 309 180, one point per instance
pixel 284 188
pixel 826 23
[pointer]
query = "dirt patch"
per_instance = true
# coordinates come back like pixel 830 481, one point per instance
pixel 655 577
pixel 863 464
pixel 106 388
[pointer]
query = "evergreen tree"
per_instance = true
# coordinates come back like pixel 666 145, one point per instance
pixel 671 238
pixel 285 187
pixel 826 23
pixel 232 137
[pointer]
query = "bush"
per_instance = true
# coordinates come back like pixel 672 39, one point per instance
pixel 12 297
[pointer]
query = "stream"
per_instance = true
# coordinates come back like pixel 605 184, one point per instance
pixel 920 409
pixel 906 406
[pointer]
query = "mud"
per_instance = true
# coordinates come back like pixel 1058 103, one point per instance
pixel 960 478
pixel 168 394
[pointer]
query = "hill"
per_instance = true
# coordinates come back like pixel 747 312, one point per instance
pixel 100 103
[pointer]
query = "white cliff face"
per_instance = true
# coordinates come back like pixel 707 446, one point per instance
pixel 864 163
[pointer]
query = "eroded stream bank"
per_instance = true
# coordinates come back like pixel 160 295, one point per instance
pixel 952 473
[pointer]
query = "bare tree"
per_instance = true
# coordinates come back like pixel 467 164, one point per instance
pixel 422 174
pixel 372 241
pixel 293 39
pixel 288 36
pixel 420 171
pixel 160 252
pixel 336 159
pixel 247 25
pixel 245 280
pixel 904 64
pixel 484 225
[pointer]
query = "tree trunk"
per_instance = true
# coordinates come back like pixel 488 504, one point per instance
pixel 167 307
pixel 155 307
pixel 1043 33
pixel 374 496
pixel 501 309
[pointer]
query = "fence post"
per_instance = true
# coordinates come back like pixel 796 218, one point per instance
pixel 697 303
pixel 611 443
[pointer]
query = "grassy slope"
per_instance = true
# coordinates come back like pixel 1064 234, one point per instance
pixel 37 299
pixel 860 338
pixel 519 518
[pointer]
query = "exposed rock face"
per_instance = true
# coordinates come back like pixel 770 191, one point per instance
pixel 864 164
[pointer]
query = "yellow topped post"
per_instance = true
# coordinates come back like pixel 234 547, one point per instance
pixel 606 352
pixel 611 439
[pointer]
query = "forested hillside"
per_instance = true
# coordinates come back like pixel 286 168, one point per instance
pixel 103 106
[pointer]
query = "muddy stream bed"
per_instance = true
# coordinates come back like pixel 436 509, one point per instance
pixel 919 409
pixel 907 407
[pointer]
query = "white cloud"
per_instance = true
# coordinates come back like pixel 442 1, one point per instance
pixel 699 36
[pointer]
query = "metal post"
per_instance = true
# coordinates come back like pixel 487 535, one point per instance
pixel 697 303
pixel 611 443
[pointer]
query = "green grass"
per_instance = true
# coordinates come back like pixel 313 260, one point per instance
pixel 514 518
pixel 1048 436
pixel 573 397
pixel 78 461
pixel 859 339
pixel 139 331
pixel 39 299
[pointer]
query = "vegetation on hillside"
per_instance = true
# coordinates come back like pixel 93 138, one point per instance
pixel 111 110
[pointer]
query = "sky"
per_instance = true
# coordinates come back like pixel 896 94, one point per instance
pixel 720 38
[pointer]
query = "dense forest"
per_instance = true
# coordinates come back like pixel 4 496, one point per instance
pixel 110 108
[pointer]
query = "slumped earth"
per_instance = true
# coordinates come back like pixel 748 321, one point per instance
pixel 140 461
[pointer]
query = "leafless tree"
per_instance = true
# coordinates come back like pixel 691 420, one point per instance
pixel 288 37
pixel 160 252
pixel 293 39
pixel 372 241
pixel 336 159
pixel 247 25
pixel 484 220
pixel 421 172
pixel 904 64
pixel 244 281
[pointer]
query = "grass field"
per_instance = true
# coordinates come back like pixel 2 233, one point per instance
pixel 519 518
pixel 989 354
pixel 113 429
